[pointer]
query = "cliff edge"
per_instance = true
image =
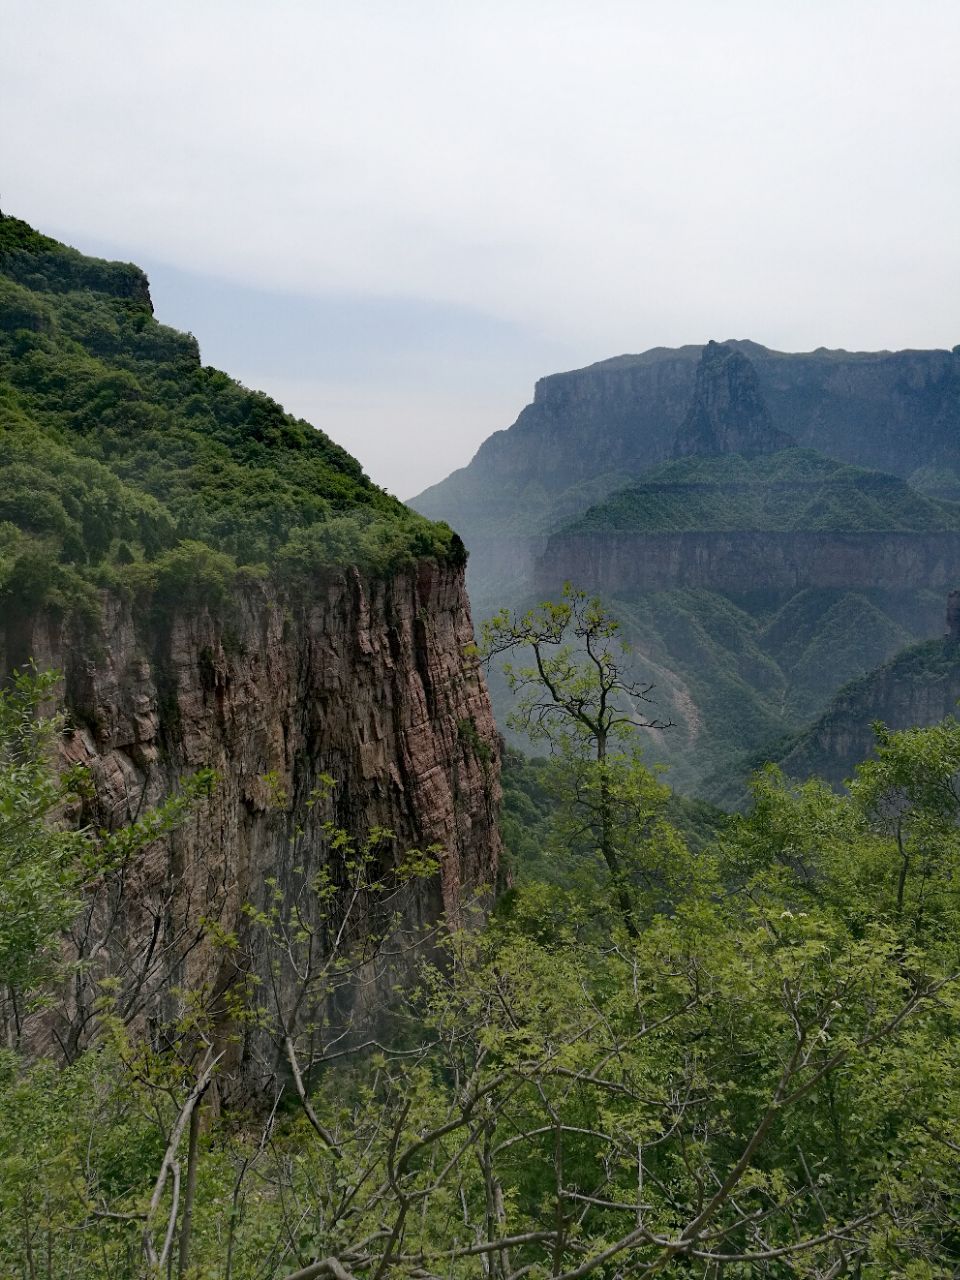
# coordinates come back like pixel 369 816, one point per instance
pixel 222 588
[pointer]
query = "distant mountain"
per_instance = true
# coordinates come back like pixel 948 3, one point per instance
pixel 592 429
pixel 793 490
pixel 753 588
pixel 726 503
pixel 728 413
pixel 782 522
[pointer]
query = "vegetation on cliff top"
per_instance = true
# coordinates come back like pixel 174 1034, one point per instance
pixel 791 491
pixel 122 457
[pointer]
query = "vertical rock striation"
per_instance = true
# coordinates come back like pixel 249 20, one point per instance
pixel 368 682
pixel 728 413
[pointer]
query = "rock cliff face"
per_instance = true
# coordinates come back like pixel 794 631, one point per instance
pixel 895 411
pixel 367 682
pixel 920 686
pixel 728 413
pixel 740 562
pixel 745 602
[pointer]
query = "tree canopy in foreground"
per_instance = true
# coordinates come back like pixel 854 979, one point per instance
pixel 756 1074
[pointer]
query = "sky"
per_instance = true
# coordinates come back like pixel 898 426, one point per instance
pixel 394 217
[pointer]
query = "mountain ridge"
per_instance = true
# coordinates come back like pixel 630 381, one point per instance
pixel 630 406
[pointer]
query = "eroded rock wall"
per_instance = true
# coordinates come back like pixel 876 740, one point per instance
pixel 366 681
pixel 749 561
pixel 921 686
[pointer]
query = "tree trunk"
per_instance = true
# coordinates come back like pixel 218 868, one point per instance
pixel 608 848
pixel 186 1225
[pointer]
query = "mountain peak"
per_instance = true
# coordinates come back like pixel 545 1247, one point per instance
pixel 728 413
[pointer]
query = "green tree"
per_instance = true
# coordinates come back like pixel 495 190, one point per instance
pixel 762 1081
pixel 576 693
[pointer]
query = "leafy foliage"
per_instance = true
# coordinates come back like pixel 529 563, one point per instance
pixel 761 1082
pixel 38 865
pixel 532 828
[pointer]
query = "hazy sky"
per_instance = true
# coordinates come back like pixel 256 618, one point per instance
pixel 395 216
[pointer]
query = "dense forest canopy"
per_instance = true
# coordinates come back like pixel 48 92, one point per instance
pixel 125 461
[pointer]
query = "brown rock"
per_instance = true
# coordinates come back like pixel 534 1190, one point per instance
pixel 367 681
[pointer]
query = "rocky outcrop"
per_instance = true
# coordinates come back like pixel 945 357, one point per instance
pixel 728 413
pixel 366 682
pixel 740 562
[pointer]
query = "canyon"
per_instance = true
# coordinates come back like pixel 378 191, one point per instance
pixel 725 502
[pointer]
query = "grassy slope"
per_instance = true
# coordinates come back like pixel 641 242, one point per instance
pixel 789 491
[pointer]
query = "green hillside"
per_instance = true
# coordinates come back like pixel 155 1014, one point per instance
pixel 124 461
pixel 918 686
pixel 735 670
pixel 789 491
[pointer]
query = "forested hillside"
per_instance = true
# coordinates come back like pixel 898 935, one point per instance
pixel 127 463
pixel 920 685
pixel 728 1053
pixel 236 683
pixel 786 491
pixel 273 1008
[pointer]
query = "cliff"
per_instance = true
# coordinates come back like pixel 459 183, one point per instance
pixel 739 562
pixel 222 588
pixel 366 683
pixel 896 411
pixel 723 501
pixel 753 588
pixel 728 413
pixel 920 686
